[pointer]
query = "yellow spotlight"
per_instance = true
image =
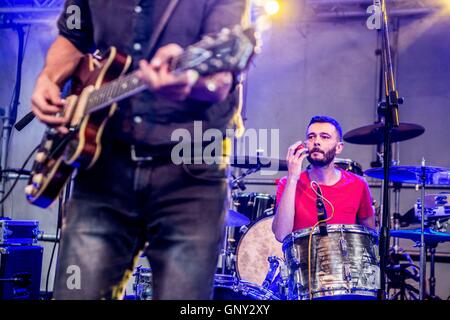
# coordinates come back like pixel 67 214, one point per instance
pixel 271 7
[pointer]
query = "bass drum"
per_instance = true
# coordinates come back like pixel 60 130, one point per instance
pixel 254 249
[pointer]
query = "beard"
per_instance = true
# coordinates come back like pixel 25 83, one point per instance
pixel 328 157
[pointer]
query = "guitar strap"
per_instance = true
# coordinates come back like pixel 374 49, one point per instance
pixel 162 24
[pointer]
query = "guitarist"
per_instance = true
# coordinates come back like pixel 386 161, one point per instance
pixel 135 199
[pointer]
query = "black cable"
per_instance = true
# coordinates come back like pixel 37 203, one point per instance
pixel 58 236
pixel 19 174
pixel 58 230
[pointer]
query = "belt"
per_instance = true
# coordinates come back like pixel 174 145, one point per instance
pixel 163 153
pixel 142 153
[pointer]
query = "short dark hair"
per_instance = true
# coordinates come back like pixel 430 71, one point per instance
pixel 326 119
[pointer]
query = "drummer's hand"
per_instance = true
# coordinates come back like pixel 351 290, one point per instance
pixel 295 160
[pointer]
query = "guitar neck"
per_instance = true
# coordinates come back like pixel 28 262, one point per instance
pixel 125 87
pixel 114 91
pixel 229 50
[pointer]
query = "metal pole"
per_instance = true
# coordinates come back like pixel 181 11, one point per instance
pixel 423 252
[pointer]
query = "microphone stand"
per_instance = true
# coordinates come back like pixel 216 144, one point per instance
pixel 391 121
pixel 10 115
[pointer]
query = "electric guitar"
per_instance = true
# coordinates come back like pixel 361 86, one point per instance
pixel 98 83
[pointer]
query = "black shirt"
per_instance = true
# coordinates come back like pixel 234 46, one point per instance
pixel 128 25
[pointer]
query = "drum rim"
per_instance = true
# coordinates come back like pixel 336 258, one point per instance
pixel 348 228
pixel 252 289
pixel 340 292
pixel 265 195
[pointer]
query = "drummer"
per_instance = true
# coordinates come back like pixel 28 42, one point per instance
pixel 346 196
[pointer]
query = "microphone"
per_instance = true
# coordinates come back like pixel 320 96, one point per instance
pixel 321 213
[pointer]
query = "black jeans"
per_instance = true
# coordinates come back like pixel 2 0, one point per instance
pixel 120 205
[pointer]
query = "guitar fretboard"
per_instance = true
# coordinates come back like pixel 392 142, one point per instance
pixel 114 91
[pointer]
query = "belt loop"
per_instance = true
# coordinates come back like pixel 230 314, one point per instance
pixel 136 158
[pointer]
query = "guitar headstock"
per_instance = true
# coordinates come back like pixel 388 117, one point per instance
pixel 229 50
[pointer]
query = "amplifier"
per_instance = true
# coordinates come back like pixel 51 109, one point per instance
pixel 18 232
pixel 20 272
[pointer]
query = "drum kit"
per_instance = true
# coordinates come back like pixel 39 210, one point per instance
pixel 345 264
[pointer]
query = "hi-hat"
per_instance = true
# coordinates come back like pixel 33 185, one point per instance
pixel 410 174
pixel 247 162
pixel 430 235
pixel 236 219
pixel 374 133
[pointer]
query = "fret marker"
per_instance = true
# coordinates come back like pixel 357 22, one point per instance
pixel 135 80
pixel 124 86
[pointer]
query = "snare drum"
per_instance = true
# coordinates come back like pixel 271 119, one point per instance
pixel 344 264
pixel 254 205
pixel 228 287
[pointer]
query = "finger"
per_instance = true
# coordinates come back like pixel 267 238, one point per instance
pixel 182 83
pixel 291 150
pixel 62 129
pixel 301 153
pixel 147 74
pixel 39 102
pixel 47 119
pixel 53 96
pixel 164 54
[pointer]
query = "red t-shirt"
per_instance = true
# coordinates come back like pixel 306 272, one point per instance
pixel 350 197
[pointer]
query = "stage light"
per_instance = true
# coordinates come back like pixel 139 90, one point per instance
pixel 272 7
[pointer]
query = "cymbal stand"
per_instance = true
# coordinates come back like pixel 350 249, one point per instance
pixel 433 224
pixel 423 252
pixel 237 183
pixel 397 187
pixel 392 120
pixel 432 248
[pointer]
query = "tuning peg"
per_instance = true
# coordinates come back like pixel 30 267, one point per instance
pixel 40 157
pixel 38 178
pixel 48 144
pixel 225 31
pixel 202 67
pixel 217 63
pixel 208 40
pixel 30 190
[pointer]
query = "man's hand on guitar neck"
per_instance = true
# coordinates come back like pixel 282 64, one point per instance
pixel 157 76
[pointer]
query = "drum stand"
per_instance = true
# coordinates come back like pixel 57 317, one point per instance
pixel 398 273
pixel 397 187
pixel 423 252
pixel 432 248
pixel 227 259
pixel 226 254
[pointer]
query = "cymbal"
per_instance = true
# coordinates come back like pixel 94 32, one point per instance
pixel 410 174
pixel 374 133
pixel 236 219
pixel 247 162
pixel 430 235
